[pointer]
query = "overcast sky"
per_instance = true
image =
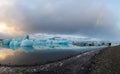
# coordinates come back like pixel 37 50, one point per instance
pixel 90 18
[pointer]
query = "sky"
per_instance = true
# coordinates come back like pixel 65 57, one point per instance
pixel 90 18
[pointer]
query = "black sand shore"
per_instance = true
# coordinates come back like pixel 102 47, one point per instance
pixel 75 65
pixel 107 62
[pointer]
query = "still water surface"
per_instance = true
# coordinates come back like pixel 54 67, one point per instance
pixel 38 55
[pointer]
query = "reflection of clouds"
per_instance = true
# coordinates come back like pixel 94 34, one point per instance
pixel 5 53
pixel 19 49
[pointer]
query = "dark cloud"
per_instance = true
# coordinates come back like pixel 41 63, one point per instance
pixel 83 17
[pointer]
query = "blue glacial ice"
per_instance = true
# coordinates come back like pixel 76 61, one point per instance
pixel 26 42
pixel 12 43
pixel 15 42
pixel 6 41
pixel 51 43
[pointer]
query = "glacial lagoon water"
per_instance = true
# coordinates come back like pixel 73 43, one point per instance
pixel 38 54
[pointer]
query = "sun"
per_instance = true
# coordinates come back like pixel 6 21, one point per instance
pixel 3 27
pixel 9 29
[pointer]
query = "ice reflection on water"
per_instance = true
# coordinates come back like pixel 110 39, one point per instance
pixel 38 54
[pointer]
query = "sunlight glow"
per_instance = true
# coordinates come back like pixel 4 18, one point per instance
pixel 3 27
pixel 9 29
pixel 5 54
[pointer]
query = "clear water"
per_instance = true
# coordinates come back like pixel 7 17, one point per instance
pixel 39 54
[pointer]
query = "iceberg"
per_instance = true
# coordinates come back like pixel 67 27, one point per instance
pixel 26 42
pixel 6 41
pixel 51 41
pixel 39 42
pixel 12 43
pixel 58 41
pixel 15 42
pixel 26 37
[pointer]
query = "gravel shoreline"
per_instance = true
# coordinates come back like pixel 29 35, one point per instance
pixel 107 62
pixel 75 65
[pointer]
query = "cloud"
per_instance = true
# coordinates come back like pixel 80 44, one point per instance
pixel 83 17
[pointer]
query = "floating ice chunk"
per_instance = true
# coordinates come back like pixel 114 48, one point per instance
pixel 39 42
pixel 26 37
pixel 17 43
pixel 27 43
pixel 12 43
pixel 63 42
pixel 6 41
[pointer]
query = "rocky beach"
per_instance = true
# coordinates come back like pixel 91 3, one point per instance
pixel 102 61
pixel 75 65
pixel 107 61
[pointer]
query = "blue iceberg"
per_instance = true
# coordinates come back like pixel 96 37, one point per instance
pixel 26 42
pixel 39 42
pixel 6 41
pixel 15 42
pixel 12 43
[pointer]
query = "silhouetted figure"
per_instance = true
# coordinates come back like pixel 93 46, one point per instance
pixel 109 44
